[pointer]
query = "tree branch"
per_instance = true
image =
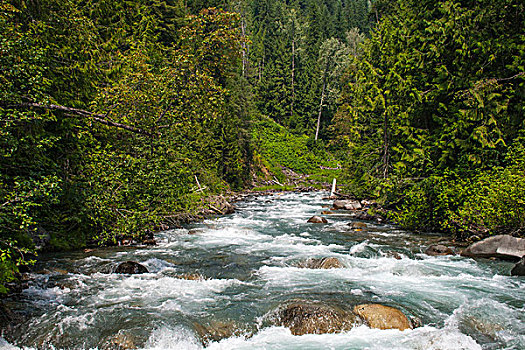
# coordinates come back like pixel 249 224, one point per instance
pixel 100 118
pixel 511 78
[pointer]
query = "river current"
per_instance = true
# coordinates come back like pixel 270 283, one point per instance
pixel 248 263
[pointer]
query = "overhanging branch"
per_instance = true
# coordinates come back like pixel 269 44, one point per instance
pixel 99 118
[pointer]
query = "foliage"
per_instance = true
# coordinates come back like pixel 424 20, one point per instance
pixel 489 203
pixel 431 105
pixel 110 112
pixel 107 120
pixel 278 148
pixel 286 63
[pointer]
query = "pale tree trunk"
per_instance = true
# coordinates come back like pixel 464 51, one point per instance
pixel 244 48
pixel 320 111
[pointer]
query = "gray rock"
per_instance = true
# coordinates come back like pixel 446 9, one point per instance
pixel 347 204
pixel 519 268
pixel 317 220
pixel 362 215
pixel 306 317
pixel 439 249
pixel 369 203
pixel 323 263
pixel 501 246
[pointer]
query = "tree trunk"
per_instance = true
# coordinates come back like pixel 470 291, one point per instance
pixel 244 60
pixel 320 111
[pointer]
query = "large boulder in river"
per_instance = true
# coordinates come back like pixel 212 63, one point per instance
pixel 347 204
pixel 501 246
pixel 317 220
pixel 323 263
pixel 439 249
pixel 304 317
pixel 382 317
pixel 519 268
pixel 131 268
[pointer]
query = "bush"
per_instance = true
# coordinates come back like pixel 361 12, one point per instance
pixel 492 202
pixel 279 148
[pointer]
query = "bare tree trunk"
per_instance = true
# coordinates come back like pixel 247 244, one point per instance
pixel 243 28
pixel 320 111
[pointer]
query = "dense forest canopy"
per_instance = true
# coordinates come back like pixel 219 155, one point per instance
pixel 114 113
pixel 433 115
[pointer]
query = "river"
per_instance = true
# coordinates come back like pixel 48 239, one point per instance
pixel 248 263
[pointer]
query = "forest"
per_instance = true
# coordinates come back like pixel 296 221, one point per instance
pixel 116 114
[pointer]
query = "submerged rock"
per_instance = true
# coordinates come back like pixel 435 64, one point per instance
pixel 216 331
pixel 120 341
pixel 191 277
pixel 304 317
pixel 317 220
pixel 7 316
pixel 323 263
pixel 347 204
pixel 125 339
pixel 500 246
pixel 382 317
pixel 519 268
pixel 131 268
pixel 439 249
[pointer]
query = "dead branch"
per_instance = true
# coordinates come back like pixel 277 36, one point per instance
pixel 99 118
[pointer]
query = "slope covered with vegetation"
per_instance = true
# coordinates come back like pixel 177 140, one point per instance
pixel 282 157
pixel 433 115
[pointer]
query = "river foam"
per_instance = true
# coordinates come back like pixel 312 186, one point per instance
pixel 280 338
pixel 238 268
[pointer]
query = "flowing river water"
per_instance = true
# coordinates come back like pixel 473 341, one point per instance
pixel 248 261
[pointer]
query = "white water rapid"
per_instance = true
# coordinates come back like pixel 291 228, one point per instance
pixel 248 263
